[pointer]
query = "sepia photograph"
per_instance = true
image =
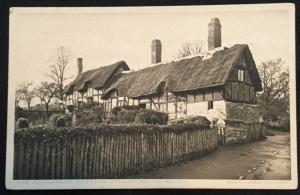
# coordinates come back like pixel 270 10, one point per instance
pixel 152 97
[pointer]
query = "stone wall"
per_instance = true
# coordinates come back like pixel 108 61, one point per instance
pixel 239 132
pixel 242 112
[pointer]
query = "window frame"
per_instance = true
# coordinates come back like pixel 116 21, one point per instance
pixel 241 75
pixel 210 104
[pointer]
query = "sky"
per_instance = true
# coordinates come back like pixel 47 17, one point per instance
pixel 102 36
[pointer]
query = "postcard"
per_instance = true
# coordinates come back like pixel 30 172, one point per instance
pixel 152 97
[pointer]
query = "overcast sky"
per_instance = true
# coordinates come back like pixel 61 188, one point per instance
pixel 102 36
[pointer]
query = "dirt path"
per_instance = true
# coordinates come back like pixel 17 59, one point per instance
pixel 267 159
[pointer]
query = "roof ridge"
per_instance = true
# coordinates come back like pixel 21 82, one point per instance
pixel 205 54
pixel 116 63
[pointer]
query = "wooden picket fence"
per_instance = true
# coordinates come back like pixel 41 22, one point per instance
pixel 106 152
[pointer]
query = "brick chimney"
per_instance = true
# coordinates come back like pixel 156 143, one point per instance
pixel 155 51
pixel 79 65
pixel 214 34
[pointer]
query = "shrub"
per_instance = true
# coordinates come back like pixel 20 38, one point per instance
pixel 22 123
pixel 68 117
pixel 89 115
pixel 70 108
pixel 127 116
pixel 60 122
pixel 202 120
pixel 177 121
pixel 151 117
pixel 115 110
pixel 53 118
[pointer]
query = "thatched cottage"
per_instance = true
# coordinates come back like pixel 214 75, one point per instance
pixel 219 83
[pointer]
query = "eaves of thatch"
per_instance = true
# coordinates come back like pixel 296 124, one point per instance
pixel 186 74
pixel 96 78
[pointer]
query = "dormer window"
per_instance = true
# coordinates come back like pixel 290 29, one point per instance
pixel 241 75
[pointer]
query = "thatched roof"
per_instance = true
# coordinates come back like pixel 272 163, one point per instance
pixel 96 78
pixel 186 74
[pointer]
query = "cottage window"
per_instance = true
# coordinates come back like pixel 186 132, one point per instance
pixel 135 102
pixel 108 105
pixel 241 75
pixel 190 98
pixel 121 103
pixel 142 105
pixel 210 104
pixel 91 91
pixel 130 101
pixel 75 95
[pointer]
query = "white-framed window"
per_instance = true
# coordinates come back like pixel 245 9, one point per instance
pixel 121 103
pixel 130 101
pixel 90 92
pixel 241 75
pixel 75 95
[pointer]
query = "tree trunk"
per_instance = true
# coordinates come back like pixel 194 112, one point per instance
pixel 47 113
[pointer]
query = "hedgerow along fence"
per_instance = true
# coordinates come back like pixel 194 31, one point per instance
pixel 107 151
pixel 36 115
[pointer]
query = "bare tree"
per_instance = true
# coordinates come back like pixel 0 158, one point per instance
pixel 58 68
pixel 25 93
pixel 18 97
pixel 45 92
pixel 190 48
pixel 274 98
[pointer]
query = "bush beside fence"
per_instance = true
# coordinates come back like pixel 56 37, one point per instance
pixel 107 151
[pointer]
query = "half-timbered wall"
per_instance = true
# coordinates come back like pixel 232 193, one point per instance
pixel 209 103
pixel 166 102
pixel 239 92
pixel 89 95
pixel 239 86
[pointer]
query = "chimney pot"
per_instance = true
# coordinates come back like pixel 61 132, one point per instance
pixel 214 34
pixel 79 65
pixel 156 51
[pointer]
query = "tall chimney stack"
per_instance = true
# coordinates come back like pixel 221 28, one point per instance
pixel 79 65
pixel 214 34
pixel 155 51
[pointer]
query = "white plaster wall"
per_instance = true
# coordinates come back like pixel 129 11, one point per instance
pixel 181 109
pixel 171 107
pixel 114 103
pixel 201 109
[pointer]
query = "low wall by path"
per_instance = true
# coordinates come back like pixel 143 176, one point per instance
pixel 240 132
pixel 107 151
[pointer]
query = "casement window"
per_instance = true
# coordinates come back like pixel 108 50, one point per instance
pixel 241 75
pixel 190 98
pixel 142 105
pixel 75 95
pixel 210 105
pixel 90 92
pixel 121 103
pixel 108 105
